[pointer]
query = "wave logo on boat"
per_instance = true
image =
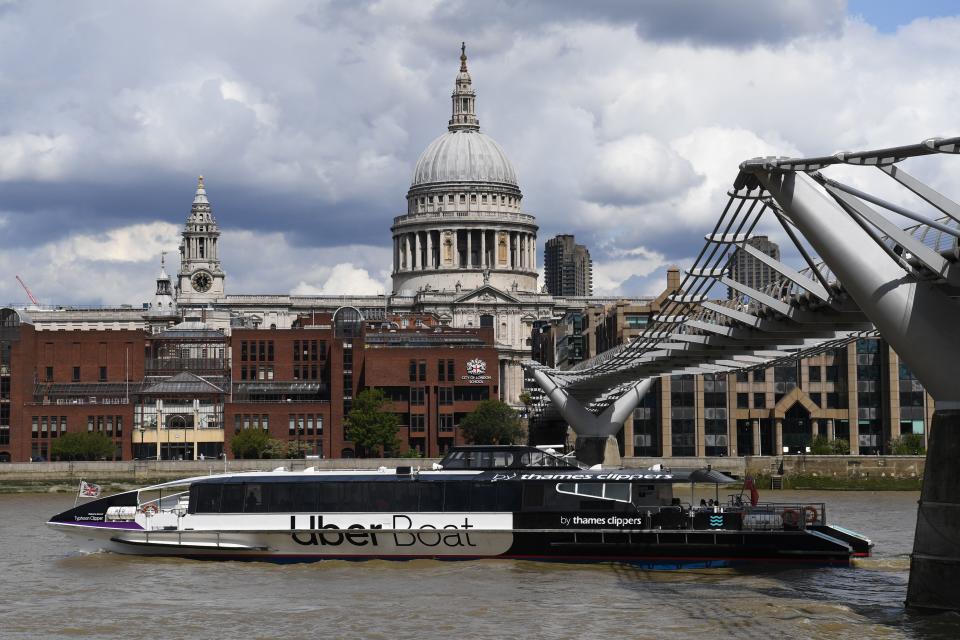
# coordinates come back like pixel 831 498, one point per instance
pixel 503 476
pixel 716 521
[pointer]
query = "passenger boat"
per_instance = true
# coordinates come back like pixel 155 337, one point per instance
pixel 479 502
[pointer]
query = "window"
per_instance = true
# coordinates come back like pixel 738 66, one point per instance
pixel 760 400
pixel 445 395
pixel 417 423
pixel 450 377
pixel 423 371
pixel 49 374
pixel 601 490
pixel 103 374
pixel 417 396
pixel 472 393
pixel 296 351
pixel 441 371
pixel 814 373
pixel 743 401
pixel 76 374
pixel 446 423
pixel 760 375
pixel 243 350
pixel 413 371
pixel 743 376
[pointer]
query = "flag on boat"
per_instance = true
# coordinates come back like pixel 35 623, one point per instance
pixel 754 494
pixel 89 490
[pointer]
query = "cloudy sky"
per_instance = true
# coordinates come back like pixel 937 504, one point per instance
pixel 625 119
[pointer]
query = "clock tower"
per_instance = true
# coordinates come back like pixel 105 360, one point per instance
pixel 200 280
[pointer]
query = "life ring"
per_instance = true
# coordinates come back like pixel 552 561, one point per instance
pixel 791 517
pixel 149 509
pixel 810 514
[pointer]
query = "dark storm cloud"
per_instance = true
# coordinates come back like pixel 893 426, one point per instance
pixel 713 22
pixel 41 212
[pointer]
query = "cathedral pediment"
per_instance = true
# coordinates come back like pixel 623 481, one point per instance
pixel 487 293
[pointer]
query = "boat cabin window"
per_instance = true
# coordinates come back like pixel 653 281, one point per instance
pixel 353 496
pixel 505 457
pixel 479 459
pixel 542 459
pixel 618 491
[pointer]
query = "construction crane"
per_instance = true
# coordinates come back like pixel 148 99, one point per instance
pixel 29 293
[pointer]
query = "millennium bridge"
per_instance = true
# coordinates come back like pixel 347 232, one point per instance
pixel 865 273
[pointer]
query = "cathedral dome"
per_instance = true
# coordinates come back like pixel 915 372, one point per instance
pixel 463 155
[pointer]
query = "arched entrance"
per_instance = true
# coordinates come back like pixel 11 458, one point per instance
pixel 796 428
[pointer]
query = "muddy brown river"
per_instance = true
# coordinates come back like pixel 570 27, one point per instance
pixel 49 590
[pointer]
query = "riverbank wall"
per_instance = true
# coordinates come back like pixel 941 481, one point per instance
pixel 875 473
pixel 793 472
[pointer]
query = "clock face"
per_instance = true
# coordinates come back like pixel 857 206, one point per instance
pixel 201 281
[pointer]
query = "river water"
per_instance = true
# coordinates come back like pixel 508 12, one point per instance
pixel 48 590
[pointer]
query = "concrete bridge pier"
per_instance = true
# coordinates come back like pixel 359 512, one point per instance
pixel 596 434
pixel 935 560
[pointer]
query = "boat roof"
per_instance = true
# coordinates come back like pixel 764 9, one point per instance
pixel 665 476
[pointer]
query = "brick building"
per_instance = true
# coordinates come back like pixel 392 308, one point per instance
pixel 184 390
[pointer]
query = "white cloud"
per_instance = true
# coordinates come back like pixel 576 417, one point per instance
pixel 626 122
pixel 637 170
pixel 610 274
pixel 35 156
pixel 344 279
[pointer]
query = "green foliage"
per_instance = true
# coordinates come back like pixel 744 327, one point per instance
pixel 370 427
pixel 840 447
pixel 526 399
pixel 294 449
pixel 492 422
pixel 909 444
pixel 411 453
pixel 253 443
pixel 82 446
pixel 821 446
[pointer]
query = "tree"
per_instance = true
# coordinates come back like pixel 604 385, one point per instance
pixel 822 446
pixel 492 422
pixel 82 446
pixel 909 444
pixel 370 427
pixel 251 443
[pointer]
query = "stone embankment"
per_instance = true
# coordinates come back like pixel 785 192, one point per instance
pixel 812 472
pixel 795 472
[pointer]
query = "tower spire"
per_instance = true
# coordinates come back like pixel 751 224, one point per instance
pixel 464 115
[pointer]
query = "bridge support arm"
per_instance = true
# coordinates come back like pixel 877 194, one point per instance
pixel 920 321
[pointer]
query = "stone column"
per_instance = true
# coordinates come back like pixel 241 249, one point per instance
pixel 935 557
pixel 395 267
pixel 755 425
pixel 778 436
pixel 530 251
pixel 456 248
pixel 814 429
pixel 469 248
pixel 830 435
pixel 430 264
pixel 417 261
pixel 484 263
